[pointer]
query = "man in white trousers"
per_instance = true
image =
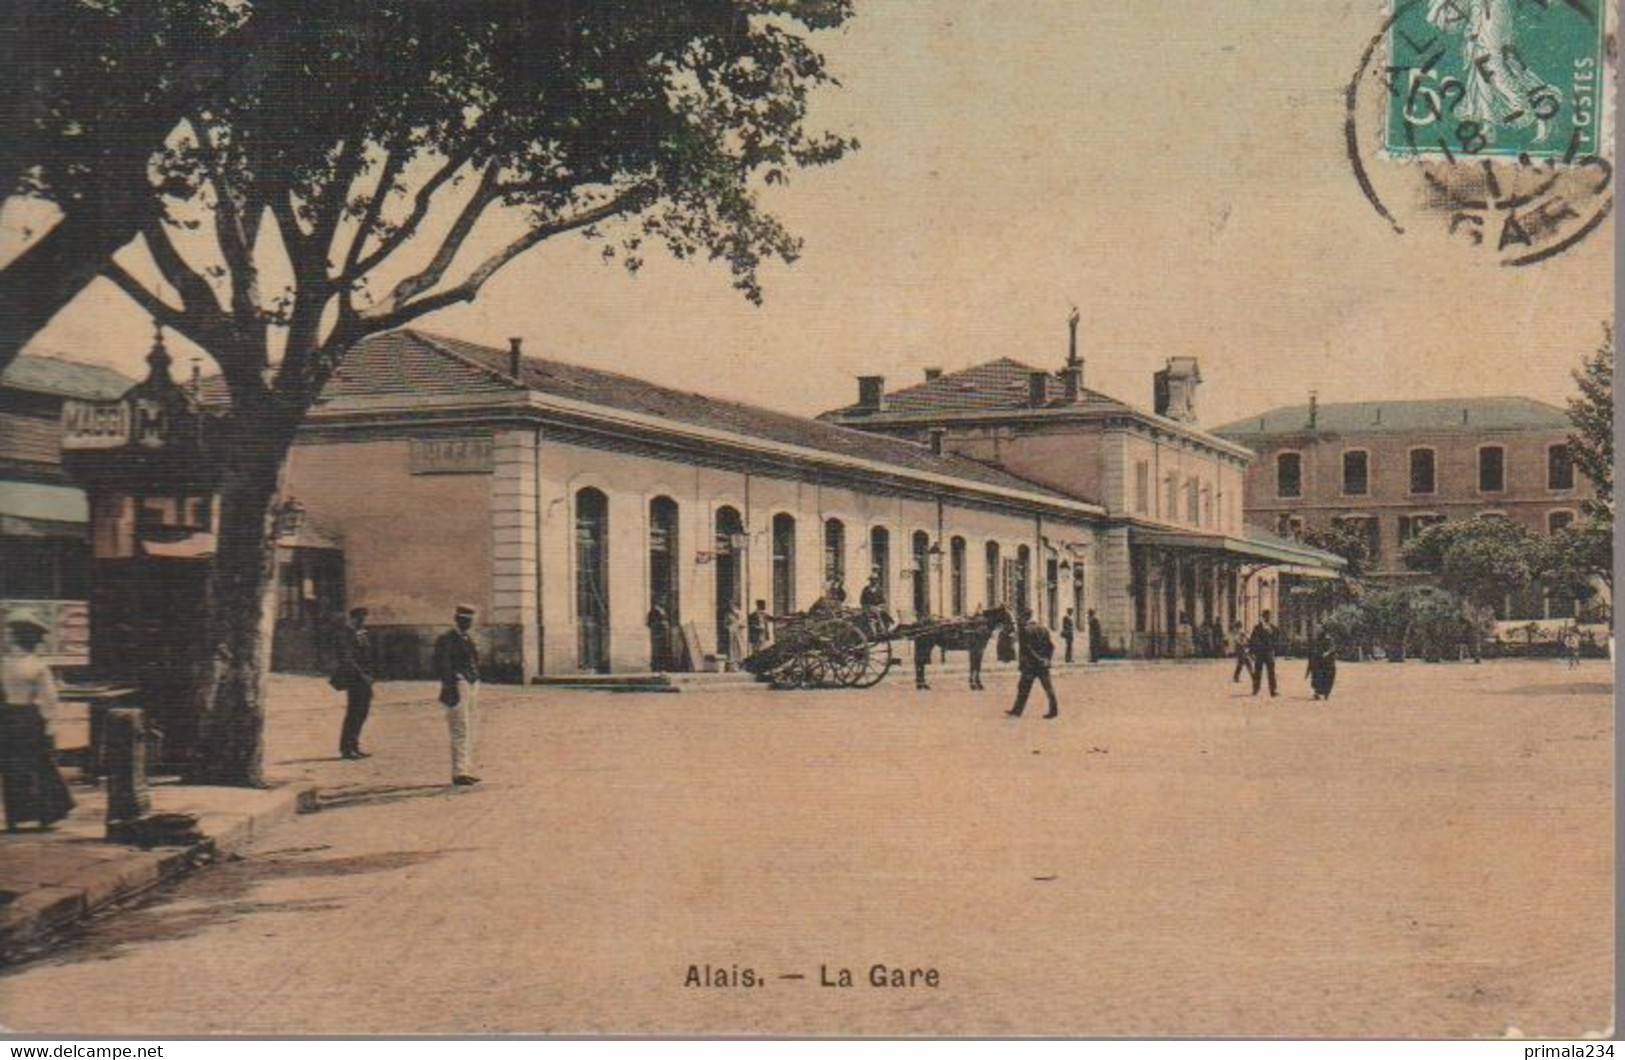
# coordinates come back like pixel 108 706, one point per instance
pixel 457 665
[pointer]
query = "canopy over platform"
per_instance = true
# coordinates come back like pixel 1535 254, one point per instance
pixel 1255 546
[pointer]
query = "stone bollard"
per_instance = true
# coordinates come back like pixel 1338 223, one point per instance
pixel 125 760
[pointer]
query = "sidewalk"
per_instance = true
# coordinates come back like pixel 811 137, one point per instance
pixel 50 881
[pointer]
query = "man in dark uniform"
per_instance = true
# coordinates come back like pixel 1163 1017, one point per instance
pixel 1069 631
pixel 759 626
pixel 1097 638
pixel 659 639
pixel 1261 645
pixel 1035 652
pixel 457 665
pixel 873 602
pixel 355 677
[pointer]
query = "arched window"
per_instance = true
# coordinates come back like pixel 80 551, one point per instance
pixel 592 580
pixel 956 575
pixel 834 555
pixel 663 553
pixel 880 560
pixel 784 563
pixel 1023 578
pixel 922 574
pixel 995 596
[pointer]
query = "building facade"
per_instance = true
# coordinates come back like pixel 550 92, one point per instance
pixel 1177 558
pixel 1390 469
pixel 44 517
pixel 567 503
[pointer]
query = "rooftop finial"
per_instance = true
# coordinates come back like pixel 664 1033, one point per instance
pixel 158 358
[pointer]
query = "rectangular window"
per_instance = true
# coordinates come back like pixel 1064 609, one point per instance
pixel 1412 525
pixel 1492 471
pixel 1289 526
pixel 1192 501
pixel 1142 487
pixel 1559 468
pixel 1288 475
pixel 1369 529
pixel 1557 521
pixel 1170 508
pixel 1422 475
pixel 1356 473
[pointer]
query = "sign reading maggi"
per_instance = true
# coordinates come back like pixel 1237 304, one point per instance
pixel 95 424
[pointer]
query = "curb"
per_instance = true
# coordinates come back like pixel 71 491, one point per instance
pixel 35 918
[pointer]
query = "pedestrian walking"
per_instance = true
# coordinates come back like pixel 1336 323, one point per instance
pixel 1036 649
pixel 1244 662
pixel 457 665
pixel 1261 647
pixel 354 677
pixel 1069 630
pixel 1097 637
pixel 30 783
pixel 1322 672
pixel 1571 646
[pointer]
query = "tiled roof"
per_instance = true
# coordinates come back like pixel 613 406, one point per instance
pixel 414 362
pixel 52 375
pixel 991 387
pixel 1381 417
pixel 30 440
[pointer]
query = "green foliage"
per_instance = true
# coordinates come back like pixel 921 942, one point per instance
pixel 1572 560
pixel 1592 413
pixel 1344 541
pixel 1481 560
pixel 1349 625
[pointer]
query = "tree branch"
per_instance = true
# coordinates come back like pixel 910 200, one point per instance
pixel 396 313
pixel 330 209
pixel 394 162
pixel 407 228
pixel 196 295
pixel 435 271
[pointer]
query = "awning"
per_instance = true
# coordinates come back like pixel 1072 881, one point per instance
pixel 33 509
pixel 1255 547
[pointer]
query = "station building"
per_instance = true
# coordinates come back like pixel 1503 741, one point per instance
pixel 1177 555
pixel 567 501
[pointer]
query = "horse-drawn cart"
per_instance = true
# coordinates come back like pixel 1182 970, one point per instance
pixel 845 648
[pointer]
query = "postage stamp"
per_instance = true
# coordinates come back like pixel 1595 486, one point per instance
pixel 1509 78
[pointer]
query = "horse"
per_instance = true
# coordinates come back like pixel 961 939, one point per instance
pixel 964 634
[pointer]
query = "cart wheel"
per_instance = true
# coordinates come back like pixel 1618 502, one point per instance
pixel 876 660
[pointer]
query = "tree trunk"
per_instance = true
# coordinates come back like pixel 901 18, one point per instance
pixel 230 693
pixel 48 275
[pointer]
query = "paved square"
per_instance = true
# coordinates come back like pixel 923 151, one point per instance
pixel 1428 854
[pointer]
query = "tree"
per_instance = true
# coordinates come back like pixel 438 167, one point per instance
pixel 1574 559
pixel 1592 413
pixel 92 91
pixel 416 127
pixel 1482 560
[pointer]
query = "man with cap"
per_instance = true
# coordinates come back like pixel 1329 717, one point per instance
pixel 1036 650
pixel 354 676
pixel 29 781
pixel 457 665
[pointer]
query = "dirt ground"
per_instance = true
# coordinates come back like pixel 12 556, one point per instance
pixel 1428 854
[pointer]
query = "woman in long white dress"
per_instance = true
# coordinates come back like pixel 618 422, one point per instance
pixel 32 787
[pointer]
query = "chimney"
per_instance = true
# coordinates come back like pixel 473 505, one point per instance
pixel 1174 389
pixel 1038 389
pixel 933 374
pixel 871 393
pixel 937 434
pixel 1314 409
pixel 515 357
pixel 1072 374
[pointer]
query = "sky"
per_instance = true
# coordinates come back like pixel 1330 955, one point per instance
pixel 1176 170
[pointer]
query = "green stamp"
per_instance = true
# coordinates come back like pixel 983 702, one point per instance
pixel 1501 78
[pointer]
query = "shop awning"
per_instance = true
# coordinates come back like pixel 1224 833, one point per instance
pixel 1256 546
pixel 34 509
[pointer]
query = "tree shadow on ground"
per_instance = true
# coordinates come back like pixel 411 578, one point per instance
pixel 379 795
pixel 1571 688
pixel 219 897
